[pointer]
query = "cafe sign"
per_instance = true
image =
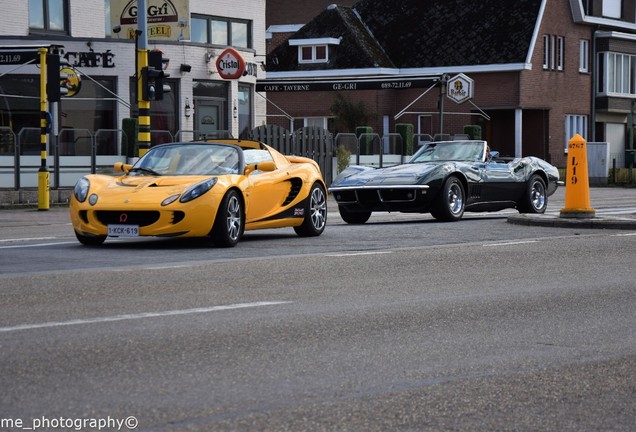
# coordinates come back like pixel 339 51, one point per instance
pixel 166 19
pixel 230 64
pixel 460 88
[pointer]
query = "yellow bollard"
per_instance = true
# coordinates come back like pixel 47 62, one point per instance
pixel 577 184
pixel 43 190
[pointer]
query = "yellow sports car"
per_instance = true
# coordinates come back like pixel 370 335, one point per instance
pixel 216 189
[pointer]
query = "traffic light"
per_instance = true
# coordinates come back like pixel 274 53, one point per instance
pixel 152 77
pixel 55 80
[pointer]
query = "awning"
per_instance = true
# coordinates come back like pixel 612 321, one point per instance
pixel 347 84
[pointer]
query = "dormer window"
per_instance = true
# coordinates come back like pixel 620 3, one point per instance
pixel 313 50
pixel 312 54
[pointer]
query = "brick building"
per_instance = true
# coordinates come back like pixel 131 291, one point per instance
pixel 537 66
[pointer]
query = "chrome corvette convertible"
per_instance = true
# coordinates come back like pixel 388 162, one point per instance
pixel 201 189
pixel 446 178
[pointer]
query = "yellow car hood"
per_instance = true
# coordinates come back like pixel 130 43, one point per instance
pixel 141 189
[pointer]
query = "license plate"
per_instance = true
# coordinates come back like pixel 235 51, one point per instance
pixel 123 230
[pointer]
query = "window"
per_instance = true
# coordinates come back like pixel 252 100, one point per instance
pixel 553 52
pixel 611 9
pixel 221 31
pixel 575 124
pixel 559 53
pixel 199 30
pixel 163 113
pixel 48 15
pixel 584 56
pixel 616 74
pixel 312 54
pixel 244 110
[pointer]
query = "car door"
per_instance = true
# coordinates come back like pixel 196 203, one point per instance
pixel 266 192
pixel 498 182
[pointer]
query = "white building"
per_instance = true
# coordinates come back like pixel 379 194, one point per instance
pixel 93 36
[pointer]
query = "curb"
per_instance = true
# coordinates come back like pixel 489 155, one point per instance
pixel 599 222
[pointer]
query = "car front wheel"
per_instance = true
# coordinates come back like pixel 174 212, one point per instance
pixel 354 217
pixel 315 213
pixel 451 201
pixel 230 222
pixel 535 199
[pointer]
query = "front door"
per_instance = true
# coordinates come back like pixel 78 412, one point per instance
pixel 208 117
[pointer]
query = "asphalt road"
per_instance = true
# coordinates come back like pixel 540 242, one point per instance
pixel 401 324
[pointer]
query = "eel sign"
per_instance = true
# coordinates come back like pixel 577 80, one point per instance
pixel 230 64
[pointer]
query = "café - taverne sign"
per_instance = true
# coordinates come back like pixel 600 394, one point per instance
pixel 377 83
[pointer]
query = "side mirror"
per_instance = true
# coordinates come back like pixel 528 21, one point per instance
pixel 121 167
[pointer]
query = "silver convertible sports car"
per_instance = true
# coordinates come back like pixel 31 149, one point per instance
pixel 446 178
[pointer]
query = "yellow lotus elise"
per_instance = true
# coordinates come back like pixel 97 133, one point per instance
pixel 216 189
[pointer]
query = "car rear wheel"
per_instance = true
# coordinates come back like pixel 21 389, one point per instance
pixel 535 199
pixel 450 203
pixel 90 240
pixel 315 213
pixel 354 217
pixel 230 222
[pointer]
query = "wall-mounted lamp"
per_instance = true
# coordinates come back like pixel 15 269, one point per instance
pixel 187 111
pixel 185 67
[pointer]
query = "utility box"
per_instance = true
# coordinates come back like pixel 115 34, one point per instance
pixel 598 162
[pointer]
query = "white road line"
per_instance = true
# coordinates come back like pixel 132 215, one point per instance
pixel 137 316
pixel 358 253
pixel 27 239
pixel 36 245
pixel 624 235
pixel 510 243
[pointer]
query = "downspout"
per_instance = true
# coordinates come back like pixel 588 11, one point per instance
pixel 594 73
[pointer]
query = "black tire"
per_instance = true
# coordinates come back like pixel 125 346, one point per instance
pixel 535 200
pixel 450 203
pixel 90 240
pixel 354 217
pixel 230 221
pixel 315 213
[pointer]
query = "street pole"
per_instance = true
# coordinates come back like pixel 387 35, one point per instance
pixel 442 96
pixel 143 136
pixel 43 172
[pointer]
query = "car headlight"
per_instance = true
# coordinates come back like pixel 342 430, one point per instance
pixel 198 189
pixel 81 189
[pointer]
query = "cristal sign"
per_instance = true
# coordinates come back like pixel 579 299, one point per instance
pixel 230 64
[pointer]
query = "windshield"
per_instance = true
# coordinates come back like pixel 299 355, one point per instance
pixel 189 159
pixel 470 151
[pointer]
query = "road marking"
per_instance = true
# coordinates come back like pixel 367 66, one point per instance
pixel 137 316
pixel 36 245
pixel 510 243
pixel 358 253
pixel 624 235
pixel 27 239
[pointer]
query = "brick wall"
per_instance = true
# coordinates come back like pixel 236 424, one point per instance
pixel 559 92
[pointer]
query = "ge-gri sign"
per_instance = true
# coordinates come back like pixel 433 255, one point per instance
pixel 460 88
pixel 230 64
